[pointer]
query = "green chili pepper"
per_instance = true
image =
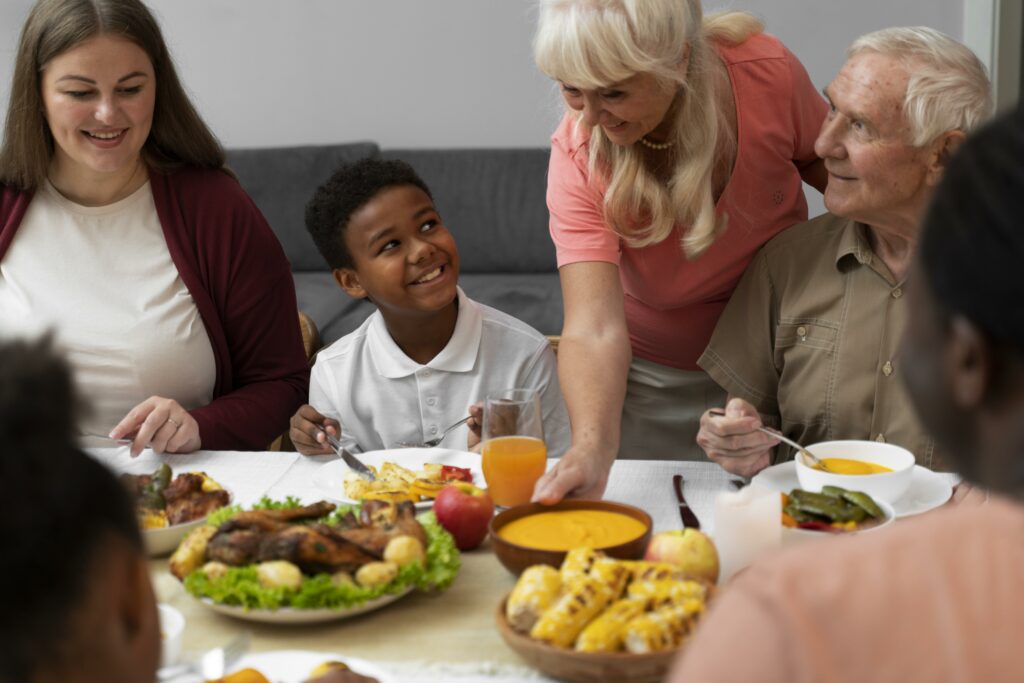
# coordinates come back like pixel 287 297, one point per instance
pixel 832 491
pixel 864 502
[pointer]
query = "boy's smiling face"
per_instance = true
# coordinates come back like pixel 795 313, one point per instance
pixel 405 259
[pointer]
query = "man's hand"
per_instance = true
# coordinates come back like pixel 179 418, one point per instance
pixel 733 440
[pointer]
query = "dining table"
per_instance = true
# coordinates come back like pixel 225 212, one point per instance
pixel 446 636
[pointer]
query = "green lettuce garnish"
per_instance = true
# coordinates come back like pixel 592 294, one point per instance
pixel 240 587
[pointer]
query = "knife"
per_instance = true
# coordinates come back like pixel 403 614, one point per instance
pixel 685 513
pixel 350 460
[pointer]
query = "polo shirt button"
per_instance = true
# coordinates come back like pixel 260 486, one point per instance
pixel 887 368
pixel 433 430
pixel 431 401
pixel 425 373
pixel 880 438
pixel 897 293
pixel 801 331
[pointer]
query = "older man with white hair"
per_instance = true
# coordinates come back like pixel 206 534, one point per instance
pixel 808 342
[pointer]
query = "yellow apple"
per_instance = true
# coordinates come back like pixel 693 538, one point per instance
pixel 688 549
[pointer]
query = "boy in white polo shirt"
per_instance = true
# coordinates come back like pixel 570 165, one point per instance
pixel 416 365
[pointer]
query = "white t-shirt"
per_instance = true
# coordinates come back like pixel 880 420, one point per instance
pixel 382 397
pixel 103 280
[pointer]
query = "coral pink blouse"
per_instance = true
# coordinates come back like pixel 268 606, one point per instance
pixel 672 303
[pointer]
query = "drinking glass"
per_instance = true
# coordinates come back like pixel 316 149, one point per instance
pixel 514 454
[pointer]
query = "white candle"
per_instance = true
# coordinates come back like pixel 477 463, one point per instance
pixel 747 523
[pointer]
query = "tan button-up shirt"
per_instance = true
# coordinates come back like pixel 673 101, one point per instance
pixel 811 338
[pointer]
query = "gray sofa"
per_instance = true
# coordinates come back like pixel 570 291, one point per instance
pixel 492 200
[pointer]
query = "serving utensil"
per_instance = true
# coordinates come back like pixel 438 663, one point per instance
pixel 435 441
pixel 352 461
pixel 810 459
pixel 685 513
pixel 212 665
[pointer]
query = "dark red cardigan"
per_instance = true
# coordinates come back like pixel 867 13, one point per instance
pixel 239 277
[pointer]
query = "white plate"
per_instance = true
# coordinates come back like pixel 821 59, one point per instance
pixel 164 540
pixel 292 615
pixel 294 666
pixel 927 491
pixel 330 477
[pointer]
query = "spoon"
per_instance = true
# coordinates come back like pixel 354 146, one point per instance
pixel 811 460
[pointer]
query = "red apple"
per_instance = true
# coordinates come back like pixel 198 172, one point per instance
pixel 689 549
pixel 465 511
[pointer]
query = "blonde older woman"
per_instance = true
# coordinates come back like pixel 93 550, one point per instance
pixel 683 151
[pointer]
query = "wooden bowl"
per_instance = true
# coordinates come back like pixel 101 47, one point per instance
pixel 584 667
pixel 516 557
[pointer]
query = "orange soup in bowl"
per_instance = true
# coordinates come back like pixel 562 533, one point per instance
pixel 844 466
pixel 562 530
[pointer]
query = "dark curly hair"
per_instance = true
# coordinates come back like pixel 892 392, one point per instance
pixel 349 189
pixel 60 509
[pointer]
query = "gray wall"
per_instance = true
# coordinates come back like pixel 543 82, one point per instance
pixel 416 73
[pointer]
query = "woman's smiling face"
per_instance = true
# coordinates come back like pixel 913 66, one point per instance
pixel 99 98
pixel 627 111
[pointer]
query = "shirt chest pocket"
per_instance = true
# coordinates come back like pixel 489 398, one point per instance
pixel 805 359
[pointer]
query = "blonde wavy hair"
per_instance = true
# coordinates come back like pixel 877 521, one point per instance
pixel 593 44
pixel 948 88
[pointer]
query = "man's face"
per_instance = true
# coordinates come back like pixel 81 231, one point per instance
pixel 874 175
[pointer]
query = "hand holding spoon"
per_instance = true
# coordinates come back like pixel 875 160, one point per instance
pixel 811 460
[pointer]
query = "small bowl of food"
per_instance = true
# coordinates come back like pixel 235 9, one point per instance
pixel 531 534
pixel 834 510
pixel 172 630
pixel 881 470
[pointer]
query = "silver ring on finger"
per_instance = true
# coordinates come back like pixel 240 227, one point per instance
pixel 177 425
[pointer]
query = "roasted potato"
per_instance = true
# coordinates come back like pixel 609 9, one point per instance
pixel 279 574
pixel 404 549
pixel 376 573
pixel 191 554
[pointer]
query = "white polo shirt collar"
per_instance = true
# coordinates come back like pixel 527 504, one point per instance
pixel 459 355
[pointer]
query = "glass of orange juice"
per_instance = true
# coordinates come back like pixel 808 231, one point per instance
pixel 514 454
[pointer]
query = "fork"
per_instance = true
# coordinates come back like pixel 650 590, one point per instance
pixel 433 442
pixel 123 442
pixel 213 664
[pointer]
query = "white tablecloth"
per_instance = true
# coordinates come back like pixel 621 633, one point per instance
pixel 393 638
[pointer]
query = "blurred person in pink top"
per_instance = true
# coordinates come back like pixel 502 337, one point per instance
pixel 683 150
pixel 939 597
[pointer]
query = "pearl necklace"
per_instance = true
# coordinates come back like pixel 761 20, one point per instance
pixel 655 145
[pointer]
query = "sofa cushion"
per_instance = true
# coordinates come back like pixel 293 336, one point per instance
pixel 493 201
pixel 534 298
pixel 282 180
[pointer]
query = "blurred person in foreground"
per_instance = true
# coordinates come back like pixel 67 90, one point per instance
pixel 79 604
pixel 937 598
pixel 808 341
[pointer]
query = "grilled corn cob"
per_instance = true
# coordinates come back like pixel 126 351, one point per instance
pixel 577 563
pixel 666 592
pixel 582 601
pixel 662 629
pixel 607 631
pixel 612 572
pixel 536 590
pixel 642 570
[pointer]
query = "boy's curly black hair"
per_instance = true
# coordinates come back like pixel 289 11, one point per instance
pixel 349 189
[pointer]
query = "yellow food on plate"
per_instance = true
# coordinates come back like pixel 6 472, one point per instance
pixel 376 573
pixel 152 519
pixel 328 667
pixel 278 574
pixel 404 549
pixel 596 603
pixel 191 554
pixel 844 466
pixel 395 483
pixel 566 529
pixel 243 676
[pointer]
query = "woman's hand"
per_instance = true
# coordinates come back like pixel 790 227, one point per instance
pixel 475 424
pixel 160 423
pixel 307 429
pixel 968 494
pixel 578 474
pixel 733 440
